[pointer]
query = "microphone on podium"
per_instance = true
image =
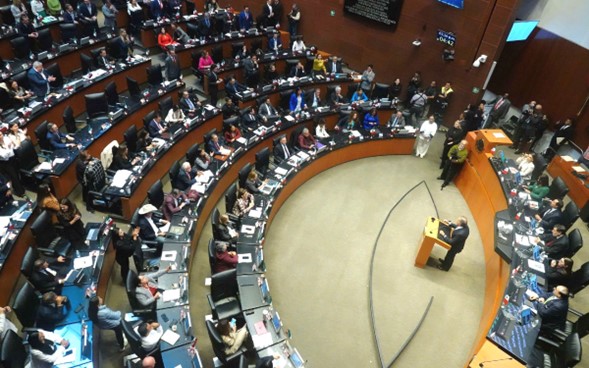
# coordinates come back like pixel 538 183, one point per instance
pixel 482 364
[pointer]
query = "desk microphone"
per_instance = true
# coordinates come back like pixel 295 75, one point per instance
pixel 482 364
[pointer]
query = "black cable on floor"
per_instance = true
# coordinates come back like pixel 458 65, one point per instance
pixel 372 317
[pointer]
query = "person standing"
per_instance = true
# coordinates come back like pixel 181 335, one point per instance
pixel 214 82
pixel 426 132
pixel 367 79
pixel 456 158
pixel 173 69
pixel 456 239
pixel 294 17
pixel 125 246
pixel 500 108
pixel 106 319
pixel 453 135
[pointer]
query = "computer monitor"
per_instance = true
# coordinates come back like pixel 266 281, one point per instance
pixel 133 87
pixel 87 63
pixel 187 324
pixel 96 104
pixel 296 359
pixel 196 363
pixel 276 322
pixel 521 30
pixel 265 290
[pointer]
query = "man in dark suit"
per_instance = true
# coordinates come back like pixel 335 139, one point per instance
pixel 39 80
pixel 174 202
pixel 26 29
pixel 267 110
pixel 556 243
pixel 155 127
pixel 173 70
pixel 184 179
pixel 249 120
pixel 246 20
pixel 70 16
pixel 46 279
pixel 337 98
pixel 282 151
pixel 214 145
pixel 298 71
pixel 550 217
pixel 314 99
pixel 189 106
pixel 87 14
pixel 156 8
pixel 552 308
pixel 563 135
pixel 333 66
pixel 214 82
pixel 5 192
pixel 52 310
pixel 229 109
pixel 268 15
pixel 223 230
pixel 275 43
pixel 232 88
pixel 57 140
pixel 500 108
pixel 104 61
pixel 252 71
pixel 455 239
pixel 148 229
pixel 205 26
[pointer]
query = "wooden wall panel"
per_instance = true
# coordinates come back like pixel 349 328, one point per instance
pixel 551 70
pixel 362 42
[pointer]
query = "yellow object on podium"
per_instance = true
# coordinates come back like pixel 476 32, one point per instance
pixel 429 238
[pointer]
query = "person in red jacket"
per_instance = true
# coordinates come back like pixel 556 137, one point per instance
pixel 225 260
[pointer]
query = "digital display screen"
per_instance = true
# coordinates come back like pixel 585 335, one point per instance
pixel 386 12
pixel 521 30
pixel 454 3
pixel 446 37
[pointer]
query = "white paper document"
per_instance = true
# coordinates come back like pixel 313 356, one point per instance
pixel 262 340
pixel 169 255
pixel 171 295
pixel 536 266
pixel 170 337
pixel 244 258
pixel 82 262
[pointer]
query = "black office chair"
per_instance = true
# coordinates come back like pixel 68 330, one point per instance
pixel 87 63
pixel 570 214
pixel 173 172
pixel 13 353
pixel 27 265
pixel 243 174
pixel 53 69
pixel 285 99
pixel 7 17
pixel 290 65
pixel 45 40
pixel 294 138
pixel 69 31
pixel 195 57
pixel 112 96
pixel 263 162
pixel 41 134
pixel 381 90
pixel 96 105
pixel 154 75
pixel 71 124
pixel 579 279
pixel 217 53
pixel 540 165
pixel 48 240
pixel 133 88
pixel 135 340
pixel 147 119
pixel 25 306
pixel 146 259
pixel 130 137
pixel 208 135
pixel 155 194
pixel 309 60
pixel 22 79
pixel 192 30
pixel 192 153
pixel 236 48
pixel 219 347
pixel 130 285
pixel 256 45
pixel 21 47
pixel 165 105
pixel 27 159
pixel 575 242
pixel 329 90
pixel 566 355
pixel 352 88
pixel 114 49
pixel 212 252
pixel 151 244
pixel 558 189
pixel 230 197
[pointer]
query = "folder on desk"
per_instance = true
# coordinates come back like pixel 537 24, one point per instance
pixel 248 229
pixel 260 328
pixel 170 337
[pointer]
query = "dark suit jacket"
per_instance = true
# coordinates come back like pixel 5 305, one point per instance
pixel 553 313
pixel 156 10
pixel 203 29
pixel 329 67
pixel 185 107
pixel 335 99
pixel 249 121
pixel 145 230
pixel 84 13
pixel 221 232
pixel 556 248
pixel 249 67
pixel 25 29
pixel 102 64
pixel 267 110
pixel 458 238
pixel 296 72
pixel 550 219
pixel 172 68
pixel 184 180
pixel 55 140
pixel 43 281
pixel 70 17
pixel 233 89
pixel 211 147
pixel 153 130
pixel 252 186
pixel 310 98
pixel 49 315
pixel 280 154
pixel 39 85
pixel 213 78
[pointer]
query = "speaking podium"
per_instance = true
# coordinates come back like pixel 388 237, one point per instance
pixel 429 238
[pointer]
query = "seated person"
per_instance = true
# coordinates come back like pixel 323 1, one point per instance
pixel 174 202
pixel 275 43
pixel 104 61
pixel 46 348
pixel 298 71
pixel 26 29
pixel 359 95
pixel 57 139
pixel 539 189
pixel 46 279
pixel 232 338
pixel 151 333
pixel 298 45
pixel 397 121
pixel 216 146
pixel 347 123
pixel 175 115
pixel 552 308
pixel 147 290
pixel 121 161
pixel 224 259
pixel 19 95
pixel 202 160
pixel 558 272
pixel 244 203
pixel 232 88
pixel 148 229
pixel 314 100
pixel 155 127
pixel 525 165
pixel 554 244
pixel 205 62
pixel 282 151
pixel 550 217
pixel 371 120
pixel 336 98
pixel 232 134
pixel 224 231
pixel 266 109
pixel 320 131
pixel 144 142
pixel 297 101
pixel 243 53
pixel 334 65
pixel 319 65
pixel 5 191
pixel 189 105
pixel 229 109
pixel 306 140
pixel 52 310
pixel 185 178
pixel 249 120
pixel 179 35
pixel 164 40
pixel 5 323
pixel 253 184
pixel 38 9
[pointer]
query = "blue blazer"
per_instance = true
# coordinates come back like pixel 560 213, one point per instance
pixel 293 101
pixel 273 42
pixel 55 140
pixel 370 121
pixel 211 147
pixel 153 130
pixel 69 17
pixel 156 11
pixel 245 23
pixel 38 84
pixel 83 10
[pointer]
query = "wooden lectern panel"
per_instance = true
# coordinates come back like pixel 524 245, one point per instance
pixel 429 238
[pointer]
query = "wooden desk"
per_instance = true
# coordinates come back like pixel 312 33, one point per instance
pixel 578 192
pixel 429 238
pixel 489 352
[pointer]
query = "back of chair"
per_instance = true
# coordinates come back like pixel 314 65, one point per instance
pixel 217 53
pixel 173 172
pixel 28 262
pixel 570 214
pixel 236 48
pixel 54 70
pixel 352 87
pixel 26 155
pixel 165 105
pixel 148 118
pixel 12 351
pixel 285 99
pixel 26 305
pixel 224 285
pixel 579 279
pixel 68 31
pixel 558 189
pixel 133 338
pixel 155 194
pixel 582 325
pixel 540 165
pixel 290 65
pixel 41 134
pixel 381 90
pixel 21 48
pixel 133 87
pixel 212 258
pixel 192 30
pixel 207 137
pixel 96 104
pixel 570 351
pixel 112 96
pixel 114 49
pixel 68 119
pixel 42 230
pixel 216 341
pixel 154 75
pixel 192 153
pixel 263 160
pixel 243 174
pixel 130 136
pixel 130 286
pixel 7 17
pixel 230 197
pixel 44 39
pixel 575 242
pixel 294 136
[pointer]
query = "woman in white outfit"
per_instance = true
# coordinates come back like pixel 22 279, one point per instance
pixel 46 348
pixel 525 165
pixel 426 133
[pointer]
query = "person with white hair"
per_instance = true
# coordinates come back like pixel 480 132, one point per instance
pixel 39 80
pixel 336 98
pixel 306 140
pixel 185 179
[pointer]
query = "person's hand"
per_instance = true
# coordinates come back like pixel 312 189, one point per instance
pixel 161 233
pixel 169 268
pixel 157 295
pixel 537 217
pixel 541 300
pixel 442 233
pixel 232 253
pixel 182 205
pixel 164 221
pixel 61 259
pixel 61 281
pixel 553 263
pixel 64 343
pixel 8 193
pixel 276 356
pixel 533 298
pixel 155 324
pixel 536 240
pixel 51 78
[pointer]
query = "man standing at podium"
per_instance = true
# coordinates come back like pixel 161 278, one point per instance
pixel 456 239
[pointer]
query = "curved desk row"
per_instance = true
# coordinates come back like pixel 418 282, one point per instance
pixel 6 51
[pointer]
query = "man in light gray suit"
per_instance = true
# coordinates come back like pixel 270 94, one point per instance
pixel 147 291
